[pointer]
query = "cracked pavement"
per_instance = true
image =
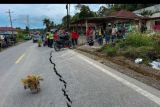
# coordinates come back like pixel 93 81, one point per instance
pixel 72 77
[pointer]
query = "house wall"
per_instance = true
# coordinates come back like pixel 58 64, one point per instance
pixel 151 25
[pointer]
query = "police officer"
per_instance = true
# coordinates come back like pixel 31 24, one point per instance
pixel 50 40
pixel 47 37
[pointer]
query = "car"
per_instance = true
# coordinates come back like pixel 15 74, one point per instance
pixel 27 37
pixel 35 38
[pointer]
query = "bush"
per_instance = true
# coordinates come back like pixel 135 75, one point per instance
pixel 110 51
pixel 129 52
pixel 156 46
pixel 137 39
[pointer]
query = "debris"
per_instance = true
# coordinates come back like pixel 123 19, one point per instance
pixel 138 60
pixel 32 82
pixel 155 65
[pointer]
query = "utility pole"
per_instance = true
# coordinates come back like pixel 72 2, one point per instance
pixel 28 24
pixel 10 18
pixel 67 17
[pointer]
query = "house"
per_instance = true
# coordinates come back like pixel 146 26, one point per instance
pixel 152 21
pixel 124 17
pixel 8 30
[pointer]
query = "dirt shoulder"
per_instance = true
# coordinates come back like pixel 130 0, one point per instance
pixel 140 72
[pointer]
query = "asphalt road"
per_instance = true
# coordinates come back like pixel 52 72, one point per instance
pixel 88 83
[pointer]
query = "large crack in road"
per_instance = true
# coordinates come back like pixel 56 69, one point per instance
pixel 61 79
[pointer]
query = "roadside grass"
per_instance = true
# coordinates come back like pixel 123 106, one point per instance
pixel 136 45
pixel 20 37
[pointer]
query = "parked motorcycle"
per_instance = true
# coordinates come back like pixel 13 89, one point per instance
pixel 62 44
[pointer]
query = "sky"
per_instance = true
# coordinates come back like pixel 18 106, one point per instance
pixel 36 13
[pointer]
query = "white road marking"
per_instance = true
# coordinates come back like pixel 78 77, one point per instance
pixel 125 82
pixel 20 58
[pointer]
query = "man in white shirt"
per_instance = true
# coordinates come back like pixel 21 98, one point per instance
pixel 114 33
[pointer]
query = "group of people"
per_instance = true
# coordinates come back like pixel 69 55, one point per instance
pixel 62 36
pixel 110 33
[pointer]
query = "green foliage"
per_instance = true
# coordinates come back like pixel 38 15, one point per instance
pixel 75 17
pixel 49 24
pixel 147 13
pixel 137 39
pixel 84 13
pixel 104 11
pixel 64 20
pixel 110 51
pixel 136 45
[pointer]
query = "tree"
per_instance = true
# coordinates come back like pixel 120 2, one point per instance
pixel 78 6
pixel 75 17
pixel 27 29
pixel 86 12
pixel 46 22
pixel 103 11
pixel 147 13
pixel 64 20
pixel 51 25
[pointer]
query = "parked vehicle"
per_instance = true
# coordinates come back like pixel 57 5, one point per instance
pixel 35 38
pixel 27 37
pixel 63 42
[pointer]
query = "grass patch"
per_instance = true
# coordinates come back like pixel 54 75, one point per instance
pixel 110 51
pixel 136 45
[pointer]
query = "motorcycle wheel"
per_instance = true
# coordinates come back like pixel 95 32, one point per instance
pixel 56 47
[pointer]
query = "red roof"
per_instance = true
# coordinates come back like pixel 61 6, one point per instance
pixel 6 29
pixel 124 13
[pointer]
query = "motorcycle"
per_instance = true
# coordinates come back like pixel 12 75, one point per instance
pixel 63 42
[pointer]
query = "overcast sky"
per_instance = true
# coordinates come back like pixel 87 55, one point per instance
pixel 36 12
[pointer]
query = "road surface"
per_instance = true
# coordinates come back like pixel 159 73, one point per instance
pixel 88 83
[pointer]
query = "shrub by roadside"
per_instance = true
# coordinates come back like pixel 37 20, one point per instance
pixel 136 45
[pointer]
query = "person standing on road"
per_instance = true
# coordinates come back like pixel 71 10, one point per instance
pixel 47 38
pixel 50 40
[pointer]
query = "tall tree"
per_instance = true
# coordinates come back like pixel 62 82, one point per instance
pixel 47 22
pixel 64 20
pixel 104 11
pixel 75 17
pixel 27 29
pixel 51 25
pixel 78 6
pixel 86 12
